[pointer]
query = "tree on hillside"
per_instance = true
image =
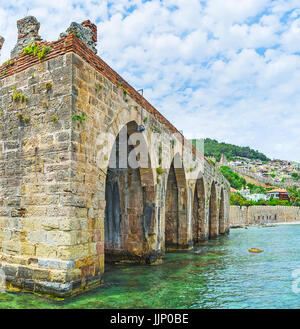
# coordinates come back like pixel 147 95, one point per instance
pixel 295 196
pixel 213 148
pixel 233 178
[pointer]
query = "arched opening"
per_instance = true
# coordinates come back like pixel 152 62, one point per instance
pixel 176 228
pixel 222 223
pixel 198 215
pixel 130 205
pixel 213 211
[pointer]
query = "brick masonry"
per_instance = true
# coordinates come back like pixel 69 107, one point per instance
pixel 61 209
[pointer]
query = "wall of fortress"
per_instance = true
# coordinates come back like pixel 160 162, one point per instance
pixel 263 181
pixel 262 214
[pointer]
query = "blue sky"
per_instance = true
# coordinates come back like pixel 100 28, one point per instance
pixel 228 70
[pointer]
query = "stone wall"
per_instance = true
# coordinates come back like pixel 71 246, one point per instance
pixel 62 207
pixel 263 214
pixel 252 178
pixel 35 213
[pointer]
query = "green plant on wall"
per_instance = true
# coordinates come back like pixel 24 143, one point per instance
pixel 22 118
pixel 98 86
pixel 26 119
pixel 80 118
pixel 159 170
pixel 156 130
pixel 6 63
pixel 34 50
pixel 211 161
pixel 18 97
pixel 48 86
pixel 54 118
pixel 75 33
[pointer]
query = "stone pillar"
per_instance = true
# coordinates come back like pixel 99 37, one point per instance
pixel 28 29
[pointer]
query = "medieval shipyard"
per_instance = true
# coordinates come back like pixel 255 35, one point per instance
pixel 69 202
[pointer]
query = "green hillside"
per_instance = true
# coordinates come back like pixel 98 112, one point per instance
pixel 233 178
pixel 215 149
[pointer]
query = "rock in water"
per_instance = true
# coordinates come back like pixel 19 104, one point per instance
pixel 255 250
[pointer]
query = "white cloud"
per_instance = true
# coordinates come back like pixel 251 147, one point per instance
pixel 223 69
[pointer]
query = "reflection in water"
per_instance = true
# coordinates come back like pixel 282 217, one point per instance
pixel 219 274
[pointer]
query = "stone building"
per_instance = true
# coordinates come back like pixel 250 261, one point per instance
pixel 68 201
pixel 255 215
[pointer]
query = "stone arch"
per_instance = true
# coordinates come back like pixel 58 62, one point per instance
pixel 130 202
pixel 213 212
pixel 198 215
pixel 222 217
pixel 176 226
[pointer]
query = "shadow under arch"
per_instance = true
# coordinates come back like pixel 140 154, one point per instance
pixel 176 226
pixel 130 202
pixel 222 224
pixel 198 215
pixel 213 212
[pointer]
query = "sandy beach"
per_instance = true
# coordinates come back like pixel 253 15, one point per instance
pixel 295 222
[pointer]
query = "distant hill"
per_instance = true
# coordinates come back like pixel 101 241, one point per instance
pixel 213 148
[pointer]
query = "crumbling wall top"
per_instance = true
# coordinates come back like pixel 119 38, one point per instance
pixel 86 32
pixel 1 43
pixel 28 31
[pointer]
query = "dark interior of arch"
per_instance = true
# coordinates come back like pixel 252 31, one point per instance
pixel 171 215
pixel 124 212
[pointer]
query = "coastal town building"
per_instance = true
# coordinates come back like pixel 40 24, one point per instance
pixel 253 196
pixel 280 194
pixel 276 172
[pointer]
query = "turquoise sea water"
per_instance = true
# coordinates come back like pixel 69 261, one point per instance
pixel 220 274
